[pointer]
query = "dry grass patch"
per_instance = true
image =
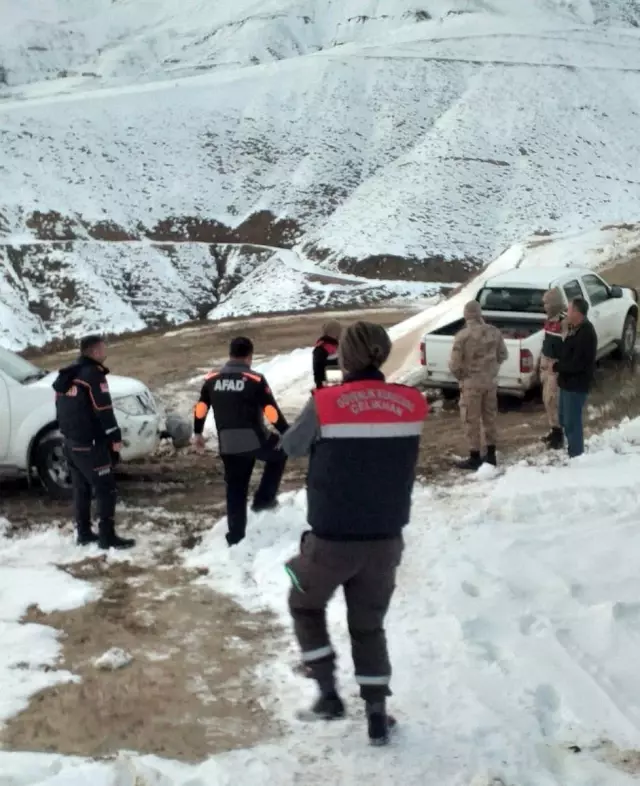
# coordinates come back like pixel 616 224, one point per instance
pixel 188 693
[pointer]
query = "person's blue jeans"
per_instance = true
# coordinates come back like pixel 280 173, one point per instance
pixel 570 407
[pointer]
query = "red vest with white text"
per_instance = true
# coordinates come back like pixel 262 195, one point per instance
pixel 362 468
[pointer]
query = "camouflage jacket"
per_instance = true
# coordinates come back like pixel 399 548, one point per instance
pixel 478 352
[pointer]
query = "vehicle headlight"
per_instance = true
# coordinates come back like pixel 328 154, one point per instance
pixel 133 405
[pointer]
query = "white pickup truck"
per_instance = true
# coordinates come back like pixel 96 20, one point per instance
pixel 513 302
pixel 29 438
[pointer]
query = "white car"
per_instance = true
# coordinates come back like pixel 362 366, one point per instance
pixel 29 438
pixel 513 302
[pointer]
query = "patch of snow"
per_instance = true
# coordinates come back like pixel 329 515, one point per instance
pixel 113 659
pixel 29 576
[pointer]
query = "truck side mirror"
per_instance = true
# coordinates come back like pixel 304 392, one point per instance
pixel 615 291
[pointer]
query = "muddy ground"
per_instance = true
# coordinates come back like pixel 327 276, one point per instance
pixel 190 691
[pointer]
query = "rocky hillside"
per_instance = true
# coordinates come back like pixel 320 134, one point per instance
pixel 316 145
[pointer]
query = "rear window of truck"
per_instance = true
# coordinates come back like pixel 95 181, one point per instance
pixel 506 299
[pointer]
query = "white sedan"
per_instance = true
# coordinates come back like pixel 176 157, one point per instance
pixel 29 438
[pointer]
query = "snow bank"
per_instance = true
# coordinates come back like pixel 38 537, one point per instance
pixel 513 635
pixel 513 632
pixel 29 577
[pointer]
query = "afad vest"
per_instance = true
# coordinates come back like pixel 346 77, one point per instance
pixel 362 469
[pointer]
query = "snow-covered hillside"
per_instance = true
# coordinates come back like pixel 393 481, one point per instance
pixel 390 139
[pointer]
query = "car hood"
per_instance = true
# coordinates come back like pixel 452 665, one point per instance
pixel 119 386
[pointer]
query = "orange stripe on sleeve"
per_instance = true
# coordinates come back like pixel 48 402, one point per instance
pixel 211 375
pixel 254 377
pixel 200 410
pixel 271 414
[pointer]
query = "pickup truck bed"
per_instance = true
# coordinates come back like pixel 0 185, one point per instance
pixel 510 328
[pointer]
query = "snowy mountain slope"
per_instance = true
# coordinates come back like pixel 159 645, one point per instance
pixel 377 138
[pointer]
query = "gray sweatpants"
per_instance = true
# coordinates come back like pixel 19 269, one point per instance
pixel 367 572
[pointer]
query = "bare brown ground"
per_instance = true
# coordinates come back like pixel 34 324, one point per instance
pixel 189 691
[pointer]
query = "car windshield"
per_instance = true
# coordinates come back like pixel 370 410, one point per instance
pixel 511 299
pixel 18 368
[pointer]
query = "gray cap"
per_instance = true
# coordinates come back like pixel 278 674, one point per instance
pixel 364 345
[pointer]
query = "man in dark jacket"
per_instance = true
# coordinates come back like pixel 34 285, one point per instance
pixel 92 442
pixel 363 439
pixel 575 368
pixel 241 400
pixel 325 352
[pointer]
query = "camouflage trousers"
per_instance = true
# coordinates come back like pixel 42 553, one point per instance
pixel 549 380
pixel 478 411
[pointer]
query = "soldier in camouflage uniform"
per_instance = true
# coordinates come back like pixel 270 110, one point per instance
pixel 555 329
pixel 477 354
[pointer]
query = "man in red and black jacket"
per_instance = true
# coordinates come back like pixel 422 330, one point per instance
pixel 242 400
pixel 92 441
pixel 363 440
pixel 325 352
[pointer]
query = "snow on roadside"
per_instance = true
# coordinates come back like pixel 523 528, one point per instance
pixel 29 576
pixel 515 630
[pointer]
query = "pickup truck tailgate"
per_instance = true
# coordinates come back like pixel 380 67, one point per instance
pixel 436 352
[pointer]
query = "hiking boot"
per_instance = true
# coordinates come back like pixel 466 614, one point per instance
pixel 556 439
pixel 109 540
pixel 258 507
pixel 472 463
pixel 116 542
pixel 328 707
pixel 490 458
pixel 380 726
pixel 86 537
pixel 233 538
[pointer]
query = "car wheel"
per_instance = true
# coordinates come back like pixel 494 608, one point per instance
pixel 627 346
pixel 51 466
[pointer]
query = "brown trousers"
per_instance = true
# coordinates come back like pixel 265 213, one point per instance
pixel 367 572
pixel 478 410
pixel 550 392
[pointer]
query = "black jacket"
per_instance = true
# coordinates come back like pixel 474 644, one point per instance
pixel 241 400
pixel 577 362
pixel 362 438
pixel 84 408
pixel 325 355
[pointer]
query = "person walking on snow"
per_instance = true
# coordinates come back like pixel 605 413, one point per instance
pixel 575 369
pixel 476 356
pixel 325 352
pixel 555 328
pixel 363 439
pixel 242 400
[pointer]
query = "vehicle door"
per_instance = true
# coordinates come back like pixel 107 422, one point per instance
pixel 604 309
pixel 5 418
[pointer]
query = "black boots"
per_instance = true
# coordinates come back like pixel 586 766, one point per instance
pixel 380 725
pixel 108 539
pixel 472 463
pixel 86 536
pixel 328 707
pixel 490 457
pixel 554 440
pixel 475 461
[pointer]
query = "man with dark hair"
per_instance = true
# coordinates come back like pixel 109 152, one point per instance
pixel 576 368
pixel 92 441
pixel 363 439
pixel 325 352
pixel 241 400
